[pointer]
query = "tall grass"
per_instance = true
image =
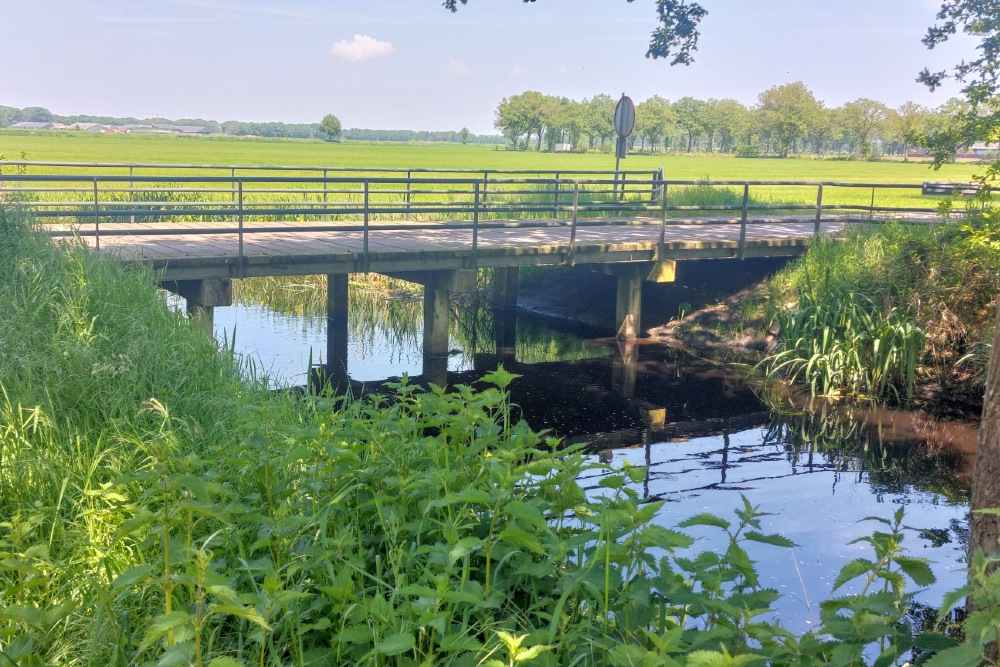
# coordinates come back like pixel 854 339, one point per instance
pixel 835 341
pixel 943 279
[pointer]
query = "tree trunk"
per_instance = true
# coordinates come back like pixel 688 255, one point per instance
pixel 986 475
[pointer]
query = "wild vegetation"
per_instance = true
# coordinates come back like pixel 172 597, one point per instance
pixel 160 509
pixel 891 305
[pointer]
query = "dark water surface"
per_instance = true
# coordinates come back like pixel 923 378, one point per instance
pixel 703 436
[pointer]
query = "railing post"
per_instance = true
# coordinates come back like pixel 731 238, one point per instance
pixel 621 197
pixel 819 206
pixel 232 186
pixel 741 250
pixel 326 213
pixel 241 271
pixel 486 186
pixel 409 182
pixel 365 262
pixel 475 227
pixel 663 222
pixel 97 218
pixel 572 225
pixel 871 206
pixel 131 193
pixel 555 198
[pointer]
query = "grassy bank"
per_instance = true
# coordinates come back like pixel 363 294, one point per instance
pixel 156 508
pixel 891 305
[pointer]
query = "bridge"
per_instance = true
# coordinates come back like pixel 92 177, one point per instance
pixel 200 230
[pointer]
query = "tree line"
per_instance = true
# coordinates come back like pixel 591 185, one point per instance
pixel 239 128
pixel 785 119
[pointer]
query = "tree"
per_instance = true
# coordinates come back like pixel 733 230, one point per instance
pixel 788 112
pixel 978 120
pixel 675 37
pixel 652 119
pixel 906 124
pixel 732 123
pixel 330 126
pixel 464 134
pixel 861 118
pixel 690 114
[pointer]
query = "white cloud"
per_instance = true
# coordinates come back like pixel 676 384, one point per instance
pixel 518 71
pixel 362 47
pixel 458 68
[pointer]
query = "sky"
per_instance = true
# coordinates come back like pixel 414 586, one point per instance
pixel 411 64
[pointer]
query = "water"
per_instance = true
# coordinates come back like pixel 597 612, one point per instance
pixel 703 436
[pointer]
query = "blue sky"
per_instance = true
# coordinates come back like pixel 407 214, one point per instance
pixel 410 64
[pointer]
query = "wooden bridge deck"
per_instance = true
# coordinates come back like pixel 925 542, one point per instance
pixel 210 250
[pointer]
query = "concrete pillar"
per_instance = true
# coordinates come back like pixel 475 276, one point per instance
pixel 628 308
pixel 336 327
pixel 505 287
pixel 435 334
pixel 201 296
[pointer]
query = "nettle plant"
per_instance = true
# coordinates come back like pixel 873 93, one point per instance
pixel 429 529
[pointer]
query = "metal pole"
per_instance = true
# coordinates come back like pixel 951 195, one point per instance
pixel 614 190
pixel 409 181
pixel 555 198
pixel 871 206
pixel 663 222
pixel 819 206
pixel 572 226
pixel 622 197
pixel 475 228
pixel 486 185
pixel 364 255
pixel 97 218
pixel 741 251
pixel 232 191
pixel 241 270
pixel 131 193
pixel 326 213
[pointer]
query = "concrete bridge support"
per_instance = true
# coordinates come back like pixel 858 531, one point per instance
pixel 336 328
pixel 202 296
pixel 438 285
pixel 628 304
pixel 505 287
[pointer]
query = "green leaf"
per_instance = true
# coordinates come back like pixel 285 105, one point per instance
pixel 130 577
pixel 964 655
pixel 853 570
pixel 664 538
pixel 459 642
pixel 522 539
pixel 773 539
pixel 706 659
pixel 162 625
pixel 226 661
pixel 705 519
pixel 917 569
pixel 395 644
pixel 932 641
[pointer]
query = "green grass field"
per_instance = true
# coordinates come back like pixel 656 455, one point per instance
pixel 85 147
pixel 80 147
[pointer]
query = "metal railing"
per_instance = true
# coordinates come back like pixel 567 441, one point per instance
pixel 183 203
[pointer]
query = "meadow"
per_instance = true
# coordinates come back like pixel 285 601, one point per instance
pixel 164 149
pixel 81 147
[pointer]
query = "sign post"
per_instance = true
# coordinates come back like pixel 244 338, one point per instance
pixel 624 124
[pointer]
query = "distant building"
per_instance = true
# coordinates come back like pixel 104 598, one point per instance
pixel 86 127
pixel 31 125
pixel 180 129
pixel 982 149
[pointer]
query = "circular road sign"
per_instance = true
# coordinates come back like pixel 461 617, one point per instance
pixel 624 116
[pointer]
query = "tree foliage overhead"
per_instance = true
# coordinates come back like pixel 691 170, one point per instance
pixel 675 37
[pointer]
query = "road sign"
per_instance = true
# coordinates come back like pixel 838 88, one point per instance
pixel 624 116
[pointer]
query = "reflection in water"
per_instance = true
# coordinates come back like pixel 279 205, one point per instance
pixel 702 435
